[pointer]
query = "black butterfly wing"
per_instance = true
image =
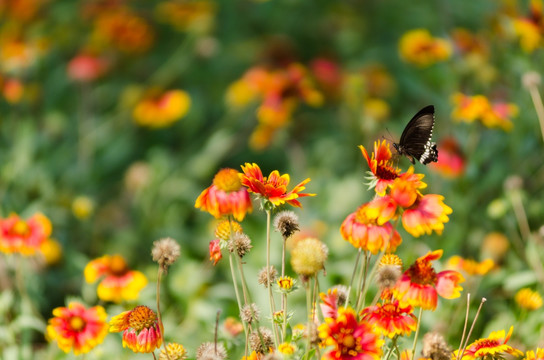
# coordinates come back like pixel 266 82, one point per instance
pixel 415 141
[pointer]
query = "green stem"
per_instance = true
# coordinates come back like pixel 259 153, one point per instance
pixel 284 294
pixel 417 332
pixel 393 347
pixel 353 275
pixel 270 295
pixel 243 278
pixel 309 311
pixel 236 291
pixel 173 66
pixel 362 281
pixel 159 315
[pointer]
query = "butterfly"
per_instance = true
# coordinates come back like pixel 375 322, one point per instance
pixel 415 141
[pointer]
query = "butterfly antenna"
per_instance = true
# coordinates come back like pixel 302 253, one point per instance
pixel 390 136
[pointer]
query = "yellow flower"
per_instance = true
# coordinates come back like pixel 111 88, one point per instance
pixel 528 299
pixel 223 229
pixel 528 33
pixel 119 282
pixel 82 207
pixel 240 93
pixel 418 47
pixel 52 251
pixel 471 267
pixel 285 283
pixel 287 348
pixel 162 110
pixel 175 352
pixel 530 355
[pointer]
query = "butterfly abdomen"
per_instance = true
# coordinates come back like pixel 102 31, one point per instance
pixel 430 154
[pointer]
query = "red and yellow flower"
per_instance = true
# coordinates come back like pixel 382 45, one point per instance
pixel 142 332
pixel 530 29
pixel 470 266
pixel 285 283
pixel 493 346
pixel 427 214
pixel 350 338
pixel 272 188
pixel 405 188
pixel 226 196
pixel 197 16
pixel 329 303
pixel 451 160
pixel 390 319
pixel 24 236
pixel 119 282
pixel 279 91
pixel 381 166
pixel 163 109
pixel 420 48
pixel 420 285
pixel 77 328
pixel 369 228
pixel 478 107
pixel 215 251
pixel 124 30
pixel 86 67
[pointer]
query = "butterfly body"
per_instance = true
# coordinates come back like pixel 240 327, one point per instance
pixel 415 142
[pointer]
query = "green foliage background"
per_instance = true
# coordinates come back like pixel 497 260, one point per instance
pixel 42 167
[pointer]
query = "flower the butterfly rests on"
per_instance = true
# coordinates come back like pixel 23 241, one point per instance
pixel 415 141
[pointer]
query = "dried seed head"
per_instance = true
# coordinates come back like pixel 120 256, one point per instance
pixel 435 347
pixel 250 313
pixel 342 292
pixel 513 183
pixel 165 251
pixel 241 243
pixel 387 276
pixel 262 278
pixel 531 79
pixel 286 222
pixel 272 356
pixel 261 341
pixel 209 351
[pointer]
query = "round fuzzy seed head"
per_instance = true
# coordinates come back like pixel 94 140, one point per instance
pixel 286 222
pixel 207 351
pixel 435 347
pixel 387 276
pixel 250 313
pixel 165 251
pixel 262 278
pixel 261 341
pixel 241 243
pixel 531 79
pixel 308 257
